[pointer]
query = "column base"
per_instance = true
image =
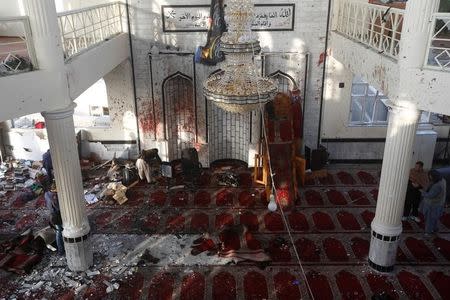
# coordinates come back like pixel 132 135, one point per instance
pixel 78 253
pixel 383 251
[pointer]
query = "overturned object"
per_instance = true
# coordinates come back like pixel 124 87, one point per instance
pixel 228 179
pixel 117 190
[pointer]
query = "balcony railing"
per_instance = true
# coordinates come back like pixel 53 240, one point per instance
pixel 16 46
pixel 375 26
pixel 438 55
pixel 84 28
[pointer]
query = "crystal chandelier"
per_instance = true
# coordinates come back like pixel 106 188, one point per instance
pixel 239 88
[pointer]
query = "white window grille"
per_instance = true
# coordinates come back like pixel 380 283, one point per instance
pixel 438 55
pixel 378 27
pixel 84 28
pixel 367 105
pixel 16 46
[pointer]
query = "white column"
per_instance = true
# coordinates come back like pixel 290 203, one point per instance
pixel 387 225
pixel 46 33
pixel 415 32
pixel 63 148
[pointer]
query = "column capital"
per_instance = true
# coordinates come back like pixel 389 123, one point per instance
pixel 60 113
pixel 406 109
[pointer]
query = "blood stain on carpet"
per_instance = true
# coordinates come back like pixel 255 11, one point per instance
pixel 175 223
pixel 223 220
pixel 336 197
pixel 445 219
pixel 279 252
pixel 298 221
pixel 413 286
pixel 334 250
pixel 180 199
pixel 247 199
pixel 125 222
pixel 366 178
pixel 250 220
pixel 349 286
pixel 252 242
pixel 202 198
pixel 346 178
pixel 407 226
pixel 441 282
pixel 200 222
pixel 193 287
pixel 103 219
pixel 401 256
pixel 368 216
pixel 360 247
pixel 419 250
pixel 135 198
pixel 224 286
pixel 286 286
pixel 380 284
pixel 320 286
pixel 26 221
pixel 131 287
pixel 40 202
pixel 323 221
pixel 150 223
pixel 158 198
pixel 307 250
pixel 161 287
pixel 348 221
pixel 230 240
pixel 255 286
pixel 97 289
pixel 328 180
pixel 224 198
pixel 443 246
pixel 358 197
pixel 273 222
pixel 313 197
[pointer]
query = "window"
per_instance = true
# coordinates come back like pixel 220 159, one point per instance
pixel 367 104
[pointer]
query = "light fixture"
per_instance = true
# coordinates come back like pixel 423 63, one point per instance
pixel 239 88
pixel 272 206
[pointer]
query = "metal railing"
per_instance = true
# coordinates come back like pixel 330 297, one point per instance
pixel 16 46
pixel 438 53
pixel 84 28
pixel 375 26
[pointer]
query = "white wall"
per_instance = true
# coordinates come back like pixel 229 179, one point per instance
pixel 11 8
pixel 308 36
pixel 65 5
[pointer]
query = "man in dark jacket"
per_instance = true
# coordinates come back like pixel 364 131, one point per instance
pixel 48 165
pixel 51 201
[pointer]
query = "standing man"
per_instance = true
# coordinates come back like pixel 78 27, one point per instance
pixel 143 167
pixel 48 165
pixel 433 201
pixel 418 180
pixel 51 201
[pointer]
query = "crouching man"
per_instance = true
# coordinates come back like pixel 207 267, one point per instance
pixel 52 203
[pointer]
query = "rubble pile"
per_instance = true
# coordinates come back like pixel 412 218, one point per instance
pixel 18 175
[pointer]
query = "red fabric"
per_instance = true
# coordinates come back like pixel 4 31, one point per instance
pixel 39 125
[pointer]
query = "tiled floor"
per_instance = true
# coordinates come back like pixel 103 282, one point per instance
pixel 330 226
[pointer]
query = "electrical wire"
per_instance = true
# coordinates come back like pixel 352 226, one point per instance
pixel 274 190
